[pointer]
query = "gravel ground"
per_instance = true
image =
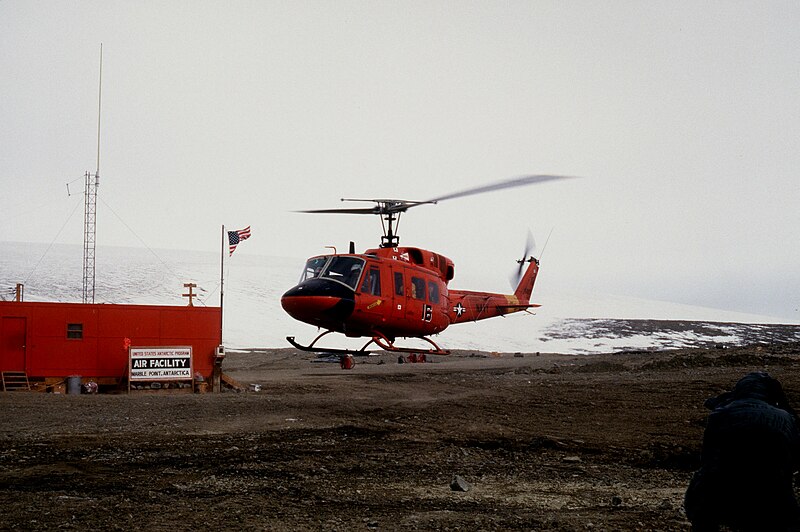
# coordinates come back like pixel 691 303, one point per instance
pixel 541 441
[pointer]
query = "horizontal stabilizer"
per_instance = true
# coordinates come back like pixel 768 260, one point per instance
pixel 518 307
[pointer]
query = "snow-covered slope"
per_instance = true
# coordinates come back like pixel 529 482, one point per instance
pixel 566 322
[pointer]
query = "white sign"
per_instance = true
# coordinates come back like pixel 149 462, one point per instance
pixel 160 363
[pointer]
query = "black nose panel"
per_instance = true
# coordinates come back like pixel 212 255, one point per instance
pixel 320 302
pixel 320 288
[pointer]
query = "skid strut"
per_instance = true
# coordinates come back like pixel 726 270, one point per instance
pixel 388 345
pixel 378 339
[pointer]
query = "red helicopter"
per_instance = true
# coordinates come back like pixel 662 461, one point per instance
pixel 391 291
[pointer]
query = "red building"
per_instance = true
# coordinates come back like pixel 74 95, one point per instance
pixel 56 340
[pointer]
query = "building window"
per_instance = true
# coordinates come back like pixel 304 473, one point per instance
pixel 75 331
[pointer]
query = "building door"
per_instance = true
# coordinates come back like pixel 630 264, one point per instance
pixel 12 344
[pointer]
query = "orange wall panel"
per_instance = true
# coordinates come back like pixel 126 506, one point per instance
pixel 107 332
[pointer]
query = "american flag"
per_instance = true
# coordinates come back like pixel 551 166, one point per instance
pixel 234 237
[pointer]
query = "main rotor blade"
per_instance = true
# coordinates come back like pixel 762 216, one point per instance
pixel 382 206
pixel 509 183
pixel 372 210
pixel 393 206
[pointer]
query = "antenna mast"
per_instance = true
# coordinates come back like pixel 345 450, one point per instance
pixel 90 208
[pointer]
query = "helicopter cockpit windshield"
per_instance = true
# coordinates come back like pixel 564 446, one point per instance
pixel 313 268
pixel 344 269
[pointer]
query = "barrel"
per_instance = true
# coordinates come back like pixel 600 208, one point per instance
pixel 74 384
pixel 347 362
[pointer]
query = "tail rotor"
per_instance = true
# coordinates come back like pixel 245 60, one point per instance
pixel 530 249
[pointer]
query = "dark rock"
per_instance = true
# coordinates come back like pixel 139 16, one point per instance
pixel 459 484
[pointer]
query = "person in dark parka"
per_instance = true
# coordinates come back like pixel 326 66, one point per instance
pixel 751 449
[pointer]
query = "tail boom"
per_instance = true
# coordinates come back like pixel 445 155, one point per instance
pixel 473 306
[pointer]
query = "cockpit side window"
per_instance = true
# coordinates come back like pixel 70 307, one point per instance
pixel 313 268
pixel 372 282
pixel 344 269
pixel 418 288
pixel 399 289
pixel 433 292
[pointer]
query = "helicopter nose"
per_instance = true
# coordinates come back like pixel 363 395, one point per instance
pixel 319 302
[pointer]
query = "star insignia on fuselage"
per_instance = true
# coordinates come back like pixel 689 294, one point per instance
pixel 459 309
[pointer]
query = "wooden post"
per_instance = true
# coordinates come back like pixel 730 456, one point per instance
pixel 191 295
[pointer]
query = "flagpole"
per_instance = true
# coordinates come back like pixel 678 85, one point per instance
pixel 221 281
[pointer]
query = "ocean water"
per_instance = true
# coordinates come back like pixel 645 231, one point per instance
pixel 566 323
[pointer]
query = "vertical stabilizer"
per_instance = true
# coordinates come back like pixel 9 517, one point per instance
pixel 525 286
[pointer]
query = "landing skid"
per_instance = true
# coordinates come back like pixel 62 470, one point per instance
pixel 332 350
pixel 380 340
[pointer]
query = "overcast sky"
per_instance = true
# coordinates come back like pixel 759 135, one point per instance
pixel 681 118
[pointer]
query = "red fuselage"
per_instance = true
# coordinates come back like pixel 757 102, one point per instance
pixel 393 292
